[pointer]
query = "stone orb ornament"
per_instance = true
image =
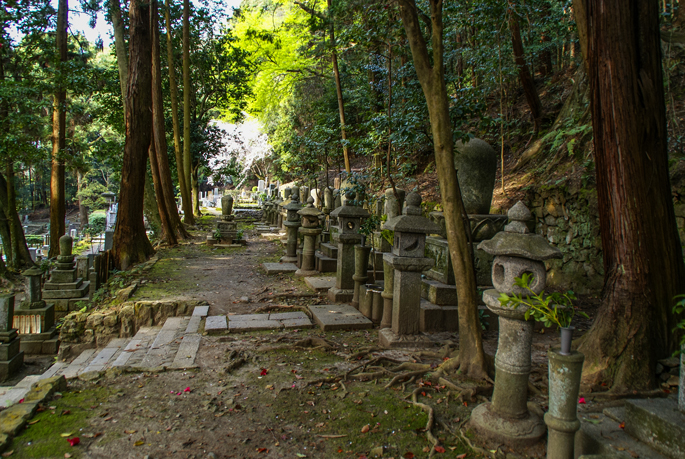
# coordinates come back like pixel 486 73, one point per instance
pixel 66 244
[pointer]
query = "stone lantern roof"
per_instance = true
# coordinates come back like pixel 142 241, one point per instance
pixel 348 210
pixel 411 220
pixel 517 241
pixel 310 214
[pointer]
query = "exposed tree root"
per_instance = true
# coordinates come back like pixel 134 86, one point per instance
pixel 431 419
pixel 329 380
pixel 363 353
pixel 404 377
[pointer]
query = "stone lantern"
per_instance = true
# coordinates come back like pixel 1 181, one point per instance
pixel 408 262
pixel 282 215
pixel 11 358
pixel 310 229
pixel 292 223
pixel 349 217
pixel 34 319
pixel 507 419
pixel 278 216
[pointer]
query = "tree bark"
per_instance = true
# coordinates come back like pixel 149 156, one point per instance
pixel 166 192
pixel 168 233
pixel 120 48
pixel 59 116
pixel 173 89
pixel 338 90
pixel 527 81
pixel 82 208
pixel 14 240
pixel 432 78
pixel 131 244
pixel 643 260
pixel 187 154
pixel 196 191
pixel 150 209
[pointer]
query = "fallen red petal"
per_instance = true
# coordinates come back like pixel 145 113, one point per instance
pixel 74 441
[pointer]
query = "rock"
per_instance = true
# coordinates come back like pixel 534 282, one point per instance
pixel 476 164
pixel 126 293
pixel 673 381
pixel 670 362
pixel 376 452
pixel 244 299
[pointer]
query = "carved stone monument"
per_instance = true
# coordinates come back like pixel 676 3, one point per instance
pixel 292 223
pixel 66 286
pixel 310 229
pixel 11 358
pixel 408 262
pixel 34 318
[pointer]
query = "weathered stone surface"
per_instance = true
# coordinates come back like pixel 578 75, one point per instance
pixel 603 438
pixel 278 268
pixel 320 284
pixel 476 164
pixel 658 423
pixel 288 315
pixel 201 311
pixel 215 324
pixel 438 293
pixel 253 325
pixel 339 317
pixel 390 340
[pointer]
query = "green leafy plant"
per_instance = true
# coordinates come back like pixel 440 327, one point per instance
pixel 552 309
pixel 239 235
pixel 217 234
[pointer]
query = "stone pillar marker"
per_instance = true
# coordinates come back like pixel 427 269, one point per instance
pixel 349 218
pixel 361 269
pixel 292 223
pixel 11 358
pixel 34 319
pixel 310 229
pixel 408 262
pixel 507 419
pixel 225 226
pixel 67 285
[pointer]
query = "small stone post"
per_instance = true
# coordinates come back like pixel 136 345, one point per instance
pixel 11 358
pixel 349 219
pixel 388 278
pixel 561 419
pixel 516 252
pixel 292 223
pixel 408 261
pixel 393 204
pixel 361 269
pixel 310 229
pixel 82 267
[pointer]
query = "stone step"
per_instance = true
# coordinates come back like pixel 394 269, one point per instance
pixel 329 249
pixel 326 264
pixel 67 293
pixel 106 355
pixel 278 268
pixel 166 343
pixel 320 284
pixel 439 293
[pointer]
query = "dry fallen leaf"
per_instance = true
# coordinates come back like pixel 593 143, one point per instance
pixel 65 435
pixel 33 422
pixel 366 428
pixel 139 443
pixel 129 431
pixel 8 453
pixel 439 449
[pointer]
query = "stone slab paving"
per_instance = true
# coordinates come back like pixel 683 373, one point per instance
pixel 278 268
pixel 288 315
pixel 78 364
pixel 201 311
pixel 253 325
pixel 185 357
pixel 144 338
pixel 193 324
pixel 109 353
pixel 297 323
pixel 320 284
pixel 166 343
pixel 215 324
pixel 244 317
pixel 339 317
pixel 130 348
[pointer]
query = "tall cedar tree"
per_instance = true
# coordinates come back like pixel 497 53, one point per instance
pixel 472 360
pixel 165 194
pixel 59 117
pixel 643 259
pixel 131 244
pixel 173 89
pixel 187 155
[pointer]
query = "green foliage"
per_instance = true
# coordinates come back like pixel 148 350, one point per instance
pixel 552 309
pixel 239 235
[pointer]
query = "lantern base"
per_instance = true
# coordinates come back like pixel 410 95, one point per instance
pixel 388 339
pixel 514 433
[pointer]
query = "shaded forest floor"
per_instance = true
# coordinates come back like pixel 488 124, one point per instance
pixel 293 393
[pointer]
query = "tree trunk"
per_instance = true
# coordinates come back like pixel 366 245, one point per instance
pixel 59 115
pixel 131 244
pixel 150 209
pixel 120 48
pixel 168 233
pixel 82 208
pixel 173 89
pixel 643 260
pixel 14 240
pixel 187 154
pixel 527 81
pixel 432 78
pixel 166 192
pixel 338 90
pixel 196 191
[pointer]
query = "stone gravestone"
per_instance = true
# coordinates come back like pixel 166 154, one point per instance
pixel 349 219
pixel 408 262
pixel 292 223
pixel 476 164
pixel 310 229
pixel 11 358
pixel 66 288
pixel 34 318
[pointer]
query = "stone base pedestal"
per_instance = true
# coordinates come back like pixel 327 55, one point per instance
pixel 306 273
pixel 40 343
pixel 390 340
pixel 438 293
pixel 339 295
pixel 9 368
pixel 515 433
pixel 325 264
pixel 434 318
pixel 287 259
